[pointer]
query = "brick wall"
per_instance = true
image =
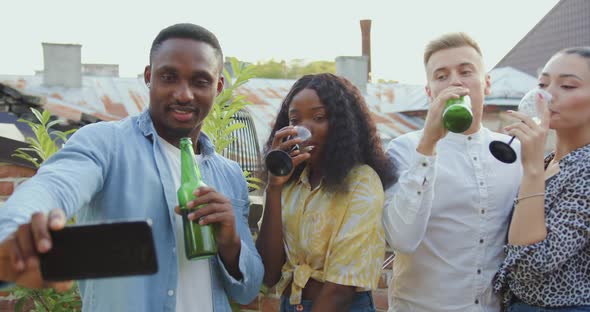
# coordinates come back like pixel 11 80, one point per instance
pixel 10 177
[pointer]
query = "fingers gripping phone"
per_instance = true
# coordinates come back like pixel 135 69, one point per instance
pixel 100 250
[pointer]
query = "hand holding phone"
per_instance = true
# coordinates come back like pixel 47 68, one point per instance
pixel 100 250
pixel 19 253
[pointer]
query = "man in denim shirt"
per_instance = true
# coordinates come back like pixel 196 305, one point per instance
pixel 125 170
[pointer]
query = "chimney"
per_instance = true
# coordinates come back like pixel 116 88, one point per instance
pixel 62 65
pixel 366 36
pixel 355 69
pixel 100 70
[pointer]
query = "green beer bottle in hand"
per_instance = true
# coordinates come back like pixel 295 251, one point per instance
pixel 199 240
pixel 457 116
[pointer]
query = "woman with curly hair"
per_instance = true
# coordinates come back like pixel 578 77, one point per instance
pixel 321 238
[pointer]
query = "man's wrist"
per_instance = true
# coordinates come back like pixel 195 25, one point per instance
pixel 233 243
pixel 426 146
pixel 230 257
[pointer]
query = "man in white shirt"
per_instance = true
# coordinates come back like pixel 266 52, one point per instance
pixel 447 216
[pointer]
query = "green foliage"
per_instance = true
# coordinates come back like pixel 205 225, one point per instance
pixel 272 69
pixel 47 300
pixel 264 290
pixel 218 124
pixel 391 81
pixel 253 182
pixel 43 145
pixel 292 70
pixel 234 306
pixel 315 67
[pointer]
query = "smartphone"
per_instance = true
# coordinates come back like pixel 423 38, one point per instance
pixel 100 250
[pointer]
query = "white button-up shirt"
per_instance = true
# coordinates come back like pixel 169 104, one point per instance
pixel 447 219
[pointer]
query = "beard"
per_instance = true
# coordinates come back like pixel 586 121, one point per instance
pixel 172 130
pixel 178 132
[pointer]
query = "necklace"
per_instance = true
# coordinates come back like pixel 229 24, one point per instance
pixel 553 163
pixel 552 168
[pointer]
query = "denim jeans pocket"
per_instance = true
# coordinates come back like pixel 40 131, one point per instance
pixel 362 302
pixel 523 307
pixel 303 306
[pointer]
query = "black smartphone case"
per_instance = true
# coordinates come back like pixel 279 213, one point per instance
pixel 100 250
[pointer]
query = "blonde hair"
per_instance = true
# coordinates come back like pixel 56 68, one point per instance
pixel 449 41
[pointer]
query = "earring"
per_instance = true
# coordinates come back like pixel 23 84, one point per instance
pixel 148 85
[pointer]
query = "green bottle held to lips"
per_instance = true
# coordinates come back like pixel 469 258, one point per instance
pixel 199 240
pixel 457 116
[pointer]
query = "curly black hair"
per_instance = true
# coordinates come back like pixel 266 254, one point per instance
pixel 352 135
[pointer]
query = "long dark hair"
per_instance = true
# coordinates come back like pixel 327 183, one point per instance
pixel 352 135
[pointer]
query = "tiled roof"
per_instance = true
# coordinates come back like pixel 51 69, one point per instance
pixel 566 25
pixel 7 151
pixel 103 97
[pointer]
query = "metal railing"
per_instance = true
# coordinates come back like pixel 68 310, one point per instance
pixel 245 149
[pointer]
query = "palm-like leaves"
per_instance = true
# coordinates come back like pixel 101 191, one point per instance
pixel 46 141
pixel 218 124
pixel 253 182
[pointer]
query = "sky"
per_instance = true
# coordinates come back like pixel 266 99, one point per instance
pixel 121 32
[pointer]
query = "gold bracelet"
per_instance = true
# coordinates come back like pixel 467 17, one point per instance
pixel 518 199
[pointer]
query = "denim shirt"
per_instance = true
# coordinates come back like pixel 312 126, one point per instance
pixel 117 171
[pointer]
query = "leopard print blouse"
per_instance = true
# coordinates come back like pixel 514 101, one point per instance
pixel 556 271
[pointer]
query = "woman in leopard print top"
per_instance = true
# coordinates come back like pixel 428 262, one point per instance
pixel 547 263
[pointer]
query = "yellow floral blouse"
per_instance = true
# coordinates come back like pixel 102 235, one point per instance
pixel 333 237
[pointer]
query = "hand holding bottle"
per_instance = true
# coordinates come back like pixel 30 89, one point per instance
pixel 457 116
pixel 215 208
pixel 434 128
pixel 199 240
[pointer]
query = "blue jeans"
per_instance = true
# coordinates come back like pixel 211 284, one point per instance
pixel 523 307
pixel 362 302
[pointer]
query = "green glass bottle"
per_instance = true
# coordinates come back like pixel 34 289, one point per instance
pixel 457 116
pixel 199 240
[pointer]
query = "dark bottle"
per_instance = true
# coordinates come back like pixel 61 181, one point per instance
pixel 199 240
pixel 457 116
